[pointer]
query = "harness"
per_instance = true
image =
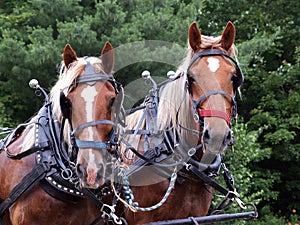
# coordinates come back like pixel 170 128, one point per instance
pixel 167 146
pixel 54 169
pixel 90 78
pixel 237 82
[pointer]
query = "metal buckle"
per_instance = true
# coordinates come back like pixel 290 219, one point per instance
pixel 236 198
pixel 111 215
pixel 191 152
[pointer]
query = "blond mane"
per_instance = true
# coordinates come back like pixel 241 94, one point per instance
pixel 66 79
pixel 174 105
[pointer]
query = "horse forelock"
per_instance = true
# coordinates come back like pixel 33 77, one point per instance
pixel 209 42
pixel 67 77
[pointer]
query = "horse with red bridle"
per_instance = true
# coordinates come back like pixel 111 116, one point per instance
pixel 48 164
pixel 183 133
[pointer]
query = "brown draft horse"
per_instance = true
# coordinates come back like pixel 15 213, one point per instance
pixel 197 107
pixel 86 88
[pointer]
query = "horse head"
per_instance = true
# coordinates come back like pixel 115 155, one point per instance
pixel 87 103
pixel 213 77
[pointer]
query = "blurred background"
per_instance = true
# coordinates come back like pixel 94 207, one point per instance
pixel 265 162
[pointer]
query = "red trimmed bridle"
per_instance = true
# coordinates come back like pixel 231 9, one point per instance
pixel 237 82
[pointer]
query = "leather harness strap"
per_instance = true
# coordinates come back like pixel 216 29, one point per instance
pixel 214 113
pixel 36 174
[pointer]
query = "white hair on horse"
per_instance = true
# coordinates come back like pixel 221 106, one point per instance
pixel 174 105
pixel 66 79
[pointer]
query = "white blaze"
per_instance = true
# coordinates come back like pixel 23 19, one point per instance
pixel 88 94
pixel 213 64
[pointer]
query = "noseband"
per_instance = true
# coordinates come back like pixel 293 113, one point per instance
pixel 237 82
pixel 91 77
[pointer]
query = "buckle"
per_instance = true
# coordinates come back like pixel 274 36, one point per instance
pixel 108 212
pixel 234 196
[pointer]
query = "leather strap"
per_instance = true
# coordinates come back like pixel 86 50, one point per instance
pixel 36 174
pixel 214 113
pixel 207 180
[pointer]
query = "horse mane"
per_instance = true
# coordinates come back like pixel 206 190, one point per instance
pixel 174 104
pixel 66 79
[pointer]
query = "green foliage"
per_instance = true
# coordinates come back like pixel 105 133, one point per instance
pixel 5 121
pixel 253 186
pixel 266 158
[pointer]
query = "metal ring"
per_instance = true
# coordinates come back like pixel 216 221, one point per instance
pixel 66 174
pixel 125 153
pixel 255 215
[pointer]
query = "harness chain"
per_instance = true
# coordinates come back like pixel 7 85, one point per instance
pixel 128 194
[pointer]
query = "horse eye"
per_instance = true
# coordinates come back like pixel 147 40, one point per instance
pixel 233 75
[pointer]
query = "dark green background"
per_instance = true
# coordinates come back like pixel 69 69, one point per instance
pixel 265 162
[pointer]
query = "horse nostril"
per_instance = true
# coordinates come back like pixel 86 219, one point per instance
pixel 81 172
pixel 206 136
pixel 228 137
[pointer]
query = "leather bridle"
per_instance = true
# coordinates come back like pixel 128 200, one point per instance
pixel 91 77
pixel 237 82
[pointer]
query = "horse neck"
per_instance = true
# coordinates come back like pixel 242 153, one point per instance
pixel 174 109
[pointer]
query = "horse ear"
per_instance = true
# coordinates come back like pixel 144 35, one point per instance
pixel 194 35
pixel 107 56
pixel 228 36
pixel 69 55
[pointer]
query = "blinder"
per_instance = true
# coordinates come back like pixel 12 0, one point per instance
pixel 65 105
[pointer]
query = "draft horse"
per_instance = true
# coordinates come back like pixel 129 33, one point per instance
pixel 46 163
pixel 194 114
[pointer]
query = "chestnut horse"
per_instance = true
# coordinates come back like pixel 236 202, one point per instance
pixel 83 95
pixel 196 106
